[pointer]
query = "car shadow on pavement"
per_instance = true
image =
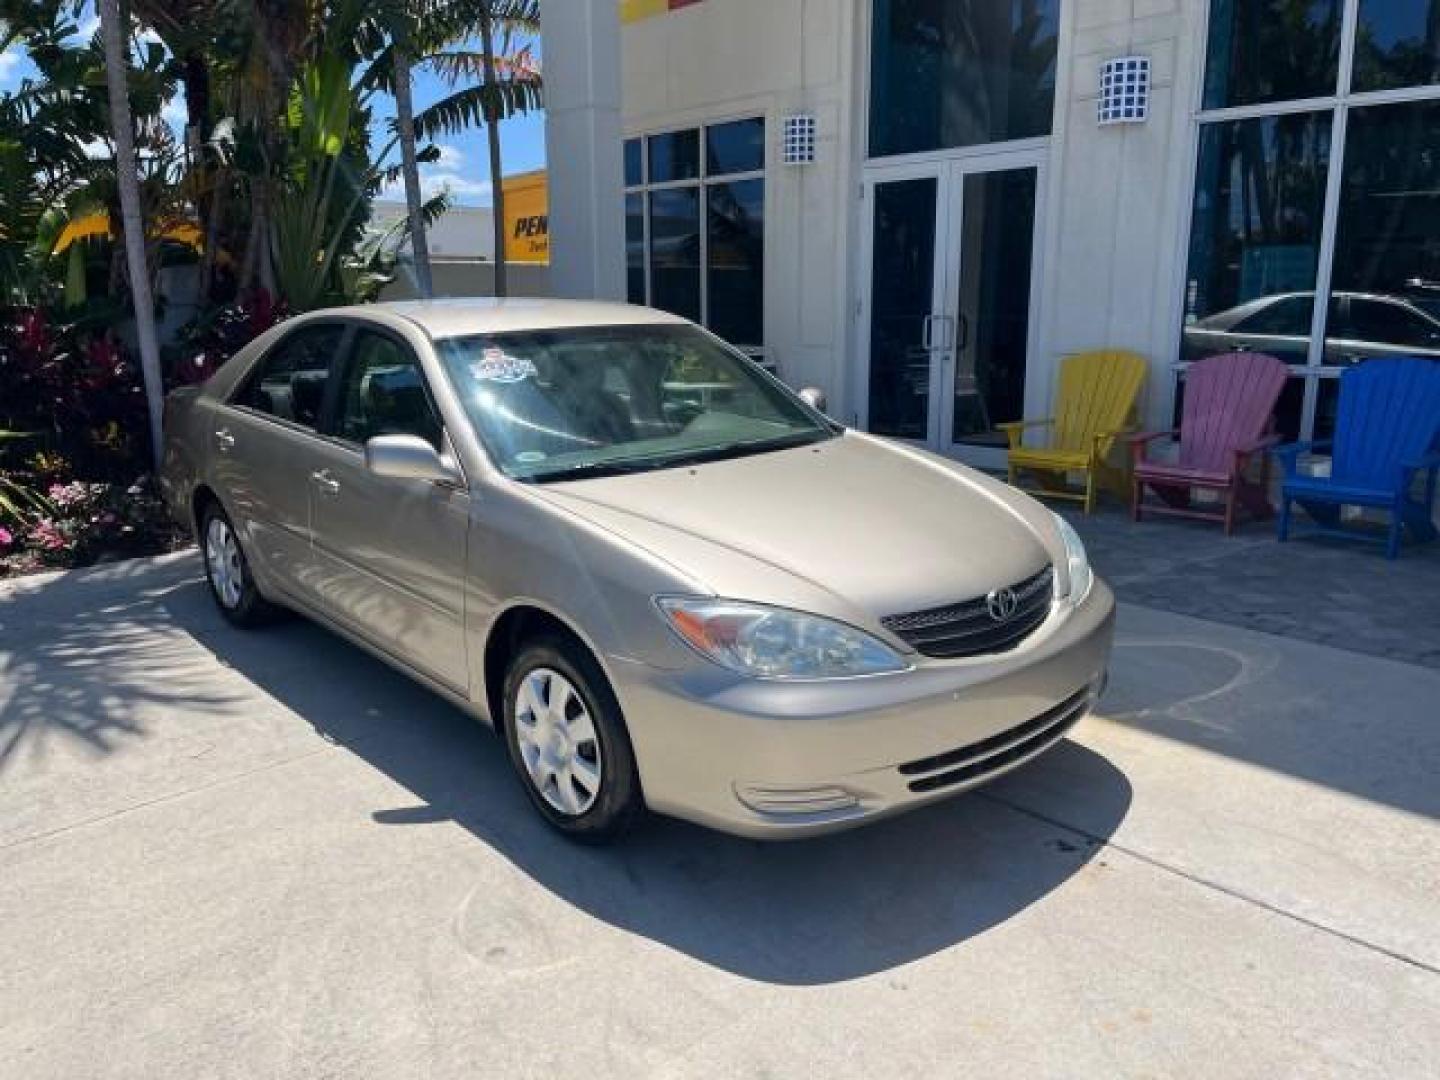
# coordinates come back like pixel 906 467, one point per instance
pixel 811 912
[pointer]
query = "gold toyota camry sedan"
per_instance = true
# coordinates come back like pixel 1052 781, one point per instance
pixel 667 581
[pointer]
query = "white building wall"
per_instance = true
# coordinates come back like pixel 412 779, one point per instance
pixel 1115 209
pixel 462 232
pixel 726 59
pixel 1118 198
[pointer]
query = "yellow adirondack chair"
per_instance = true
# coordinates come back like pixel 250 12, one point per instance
pixel 1096 405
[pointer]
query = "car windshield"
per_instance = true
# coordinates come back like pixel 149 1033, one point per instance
pixel 592 401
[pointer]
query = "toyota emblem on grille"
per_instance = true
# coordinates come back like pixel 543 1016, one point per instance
pixel 1001 603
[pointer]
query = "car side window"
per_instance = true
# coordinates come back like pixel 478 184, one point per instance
pixel 1389 323
pixel 383 392
pixel 290 381
pixel 1289 316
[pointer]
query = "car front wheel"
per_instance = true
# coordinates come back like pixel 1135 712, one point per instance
pixel 568 742
pixel 226 569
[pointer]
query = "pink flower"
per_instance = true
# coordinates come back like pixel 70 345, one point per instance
pixel 48 535
pixel 6 538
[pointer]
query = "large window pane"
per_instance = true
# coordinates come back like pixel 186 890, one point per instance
pixel 1255 236
pixel 675 156
pixel 736 255
pixel 635 248
pixel 1272 50
pixel 947 73
pixel 735 148
pixel 1386 282
pixel 998 224
pixel 1397 43
pixel 901 302
pixel 675 251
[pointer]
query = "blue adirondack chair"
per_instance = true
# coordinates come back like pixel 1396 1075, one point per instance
pixel 1386 432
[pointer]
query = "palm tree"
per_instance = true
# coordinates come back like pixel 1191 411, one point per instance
pixel 405 130
pixel 509 83
pixel 128 179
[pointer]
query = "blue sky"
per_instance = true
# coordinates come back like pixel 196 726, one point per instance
pixel 462 166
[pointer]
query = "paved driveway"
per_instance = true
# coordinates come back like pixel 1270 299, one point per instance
pixel 266 855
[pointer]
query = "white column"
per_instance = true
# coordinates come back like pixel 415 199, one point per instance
pixel 580 40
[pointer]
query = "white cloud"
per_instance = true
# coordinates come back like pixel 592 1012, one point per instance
pixel 98 149
pixel 465 189
pixel 89 27
pixel 9 61
pixel 451 159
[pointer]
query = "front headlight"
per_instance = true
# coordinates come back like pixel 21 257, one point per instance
pixel 776 643
pixel 1081 576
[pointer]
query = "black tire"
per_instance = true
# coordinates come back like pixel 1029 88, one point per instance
pixel 234 593
pixel 618 803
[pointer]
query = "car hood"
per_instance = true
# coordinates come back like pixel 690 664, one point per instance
pixel 855 527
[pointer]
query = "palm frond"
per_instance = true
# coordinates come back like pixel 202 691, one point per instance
pixel 477 105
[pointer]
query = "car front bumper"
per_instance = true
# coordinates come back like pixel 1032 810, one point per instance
pixel 775 759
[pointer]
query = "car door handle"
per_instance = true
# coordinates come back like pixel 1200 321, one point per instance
pixel 224 439
pixel 325 482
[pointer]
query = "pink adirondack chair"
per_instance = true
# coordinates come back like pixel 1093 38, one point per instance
pixel 1229 402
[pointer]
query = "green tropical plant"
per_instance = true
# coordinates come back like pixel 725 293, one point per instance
pixel 372 265
pixel 504 80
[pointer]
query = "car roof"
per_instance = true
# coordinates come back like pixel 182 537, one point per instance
pixel 491 315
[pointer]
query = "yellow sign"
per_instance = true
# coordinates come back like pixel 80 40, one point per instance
pixel 527 218
pixel 635 10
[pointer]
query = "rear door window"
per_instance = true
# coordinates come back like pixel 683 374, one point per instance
pixel 290 382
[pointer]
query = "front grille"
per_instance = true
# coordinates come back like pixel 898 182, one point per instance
pixel 995 753
pixel 969 629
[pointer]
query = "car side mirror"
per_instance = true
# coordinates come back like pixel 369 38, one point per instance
pixel 814 397
pixel 408 457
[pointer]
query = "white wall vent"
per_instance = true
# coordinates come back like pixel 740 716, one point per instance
pixel 798 146
pixel 1124 90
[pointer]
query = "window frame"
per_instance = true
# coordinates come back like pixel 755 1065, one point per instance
pixel 701 185
pixel 1339 105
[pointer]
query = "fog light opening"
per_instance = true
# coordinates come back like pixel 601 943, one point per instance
pixel 808 800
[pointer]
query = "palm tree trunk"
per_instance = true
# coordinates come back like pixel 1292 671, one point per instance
pixel 405 129
pixel 492 138
pixel 128 173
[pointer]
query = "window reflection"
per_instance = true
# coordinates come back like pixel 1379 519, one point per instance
pixel 735 147
pixel 903 273
pixel 948 73
pixel 675 251
pixel 735 260
pixel 674 156
pixel 1397 43
pixel 635 248
pixel 1255 238
pixel 1272 50
pixel 1387 248
pixel 634 170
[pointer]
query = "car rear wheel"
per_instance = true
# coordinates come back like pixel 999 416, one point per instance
pixel 568 742
pixel 226 569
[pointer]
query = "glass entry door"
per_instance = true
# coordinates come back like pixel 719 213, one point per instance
pixel 947 338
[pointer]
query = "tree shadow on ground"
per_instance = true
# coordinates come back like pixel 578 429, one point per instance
pixel 79 670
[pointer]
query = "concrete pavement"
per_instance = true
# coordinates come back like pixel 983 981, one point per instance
pixel 267 855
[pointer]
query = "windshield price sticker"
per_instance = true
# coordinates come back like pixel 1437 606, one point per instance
pixel 498 366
